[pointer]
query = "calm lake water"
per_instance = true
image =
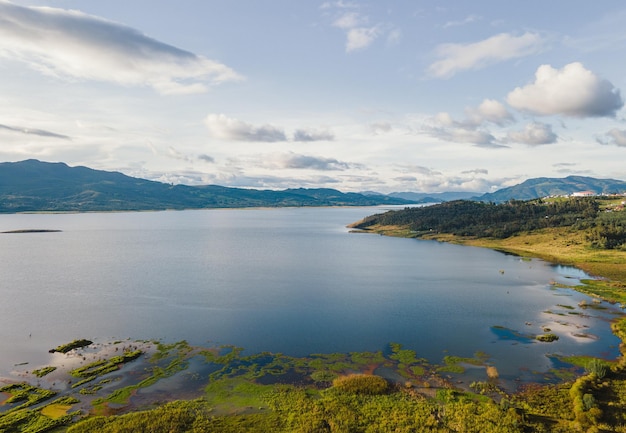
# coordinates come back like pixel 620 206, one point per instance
pixel 290 280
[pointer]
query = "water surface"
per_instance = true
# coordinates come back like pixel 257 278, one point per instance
pixel 290 280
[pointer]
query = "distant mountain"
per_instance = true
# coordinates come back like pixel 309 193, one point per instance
pixel 35 186
pixel 544 187
pixel 435 197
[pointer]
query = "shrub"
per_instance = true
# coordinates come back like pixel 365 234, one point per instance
pixel 547 338
pixel 361 384
pixel 597 367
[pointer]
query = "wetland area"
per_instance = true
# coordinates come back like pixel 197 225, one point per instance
pixel 276 295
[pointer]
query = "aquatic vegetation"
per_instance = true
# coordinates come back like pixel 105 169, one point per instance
pixel 101 367
pixel 26 393
pixel 547 338
pixel 41 372
pixel 76 344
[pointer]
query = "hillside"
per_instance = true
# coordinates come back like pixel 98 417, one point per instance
pixel 35 186
pixel 545 187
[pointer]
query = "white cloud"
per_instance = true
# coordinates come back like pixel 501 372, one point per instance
pixel 534 134
pixel 358 35
pixel 339 4
pixel 348 21
pixel 488 111
pixel 476 171
pixel 227 128
pixel 616 137
pixel 477 55
pixel 469 130
pixel 312 135
pixel 72 44
pixel 361 37
pixel 462 135
pixel 572 91
pixel 469 19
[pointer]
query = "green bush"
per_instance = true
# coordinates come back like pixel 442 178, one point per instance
pixel 597 367
pixel 361 384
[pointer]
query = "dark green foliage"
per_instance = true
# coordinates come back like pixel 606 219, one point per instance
pixel 469 218
pixel 609 231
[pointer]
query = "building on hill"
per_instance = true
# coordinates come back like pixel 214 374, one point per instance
pixel 582 194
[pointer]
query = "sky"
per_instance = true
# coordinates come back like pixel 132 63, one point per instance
pixel 386 96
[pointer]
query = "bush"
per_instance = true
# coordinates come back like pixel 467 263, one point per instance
pixel 547 338
pixel 361 384
pixel 597 367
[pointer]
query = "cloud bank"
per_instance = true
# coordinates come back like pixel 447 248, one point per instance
pixel 572 91
pixel 72 44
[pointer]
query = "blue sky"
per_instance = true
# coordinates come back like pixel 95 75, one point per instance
pixel 353 95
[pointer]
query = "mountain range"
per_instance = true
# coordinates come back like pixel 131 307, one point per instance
pixel 545 187
pixel 36 186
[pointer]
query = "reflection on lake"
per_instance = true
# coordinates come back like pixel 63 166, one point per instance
pixel 291 280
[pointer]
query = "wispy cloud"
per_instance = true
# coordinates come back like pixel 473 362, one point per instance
pixel 297 161
pixel 72 44
pixel 232 129
pixel 360 34
pixel 206 158
pixel 454 58
pixel 227 128
pixel 467 20
pixel 572 91
pixel 31 131
pixel 312 135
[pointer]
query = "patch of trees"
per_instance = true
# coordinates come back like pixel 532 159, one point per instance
pixel 609 231
pixel 471 218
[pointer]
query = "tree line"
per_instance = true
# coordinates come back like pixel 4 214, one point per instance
pixel 478 219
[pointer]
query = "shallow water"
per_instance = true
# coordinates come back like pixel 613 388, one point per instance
pixel 290 280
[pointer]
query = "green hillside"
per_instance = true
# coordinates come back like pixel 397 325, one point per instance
pixel 546 187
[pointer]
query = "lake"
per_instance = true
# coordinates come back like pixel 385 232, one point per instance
pixel 290 280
